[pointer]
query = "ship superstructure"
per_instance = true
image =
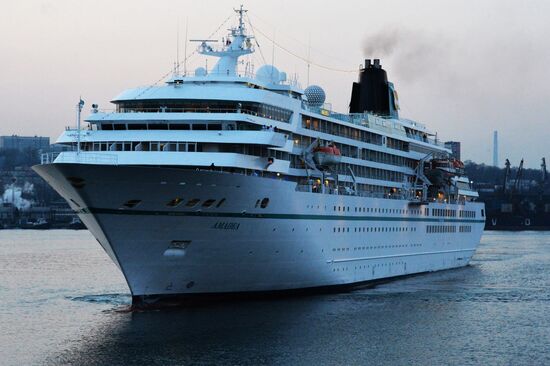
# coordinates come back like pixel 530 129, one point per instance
pixel 231 181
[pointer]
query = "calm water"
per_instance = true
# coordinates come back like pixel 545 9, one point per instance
pixel 62 302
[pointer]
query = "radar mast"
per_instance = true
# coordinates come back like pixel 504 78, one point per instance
pixel 236 44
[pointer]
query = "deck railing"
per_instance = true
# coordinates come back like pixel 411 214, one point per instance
pixel 79 158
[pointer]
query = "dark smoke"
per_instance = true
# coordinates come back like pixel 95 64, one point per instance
pixel 410 53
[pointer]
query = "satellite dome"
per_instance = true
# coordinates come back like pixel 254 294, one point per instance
pixel 200 71
pixel 315 95
pixel 268 73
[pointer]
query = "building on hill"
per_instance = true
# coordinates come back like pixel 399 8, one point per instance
pixel 23 143
pixel 454 146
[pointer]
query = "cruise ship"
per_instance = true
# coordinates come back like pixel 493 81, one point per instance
pixel 229 181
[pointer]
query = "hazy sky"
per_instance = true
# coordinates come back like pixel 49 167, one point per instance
pixel 465 68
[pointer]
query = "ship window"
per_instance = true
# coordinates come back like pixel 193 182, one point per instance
pixel 131 203
pixel 215 126
pixel 175 202
pixel 208 203
pixel 191 147
pixel 119 126
pixel 482 212
pixel 221 202
pixel 192 202
pixel 158 126
pixel 137 126
pixel 264 203
pixel 179 126
pixel 199 127
pixel 106 126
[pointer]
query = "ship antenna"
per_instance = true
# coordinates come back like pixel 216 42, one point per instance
pixel 185 47
pixel 241 11
pixel 273 54
pixel 308 57
pixel 178 48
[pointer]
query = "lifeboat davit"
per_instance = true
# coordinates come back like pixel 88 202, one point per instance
pixel 327 155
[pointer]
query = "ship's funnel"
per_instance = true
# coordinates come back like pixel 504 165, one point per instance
pixel 373 93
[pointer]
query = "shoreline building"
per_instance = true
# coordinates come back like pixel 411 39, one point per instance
pixel 22 143
pixel 454 146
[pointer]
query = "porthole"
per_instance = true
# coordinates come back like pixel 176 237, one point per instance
pixel 192 202
pixel 131 203
pixel 208 203
pixel 175 202
pixel 220 203
pixel 264 203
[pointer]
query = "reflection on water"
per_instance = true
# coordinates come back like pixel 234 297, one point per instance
pixel 495 311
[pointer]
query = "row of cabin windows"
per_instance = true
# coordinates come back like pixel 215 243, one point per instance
pixel 465 229
pixel 142 146
pixel 353 133
pixel 439 229
pixel 296 162
pixel 397 144
pixel 400 211
pixel 205 106
pixel 359 153
pixel 253 150
pixel 396 229
pixel 165 126
pixel 340 130
pixel 369 190
pixel 442 212
pixel 179 126
pixel 368 172
pixel 344 249
pixel 468 214
pixel 385 158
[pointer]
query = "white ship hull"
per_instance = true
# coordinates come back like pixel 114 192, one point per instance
pixel 300 240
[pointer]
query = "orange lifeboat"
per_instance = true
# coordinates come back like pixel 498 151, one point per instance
pixel 457 164
pixel 327 155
